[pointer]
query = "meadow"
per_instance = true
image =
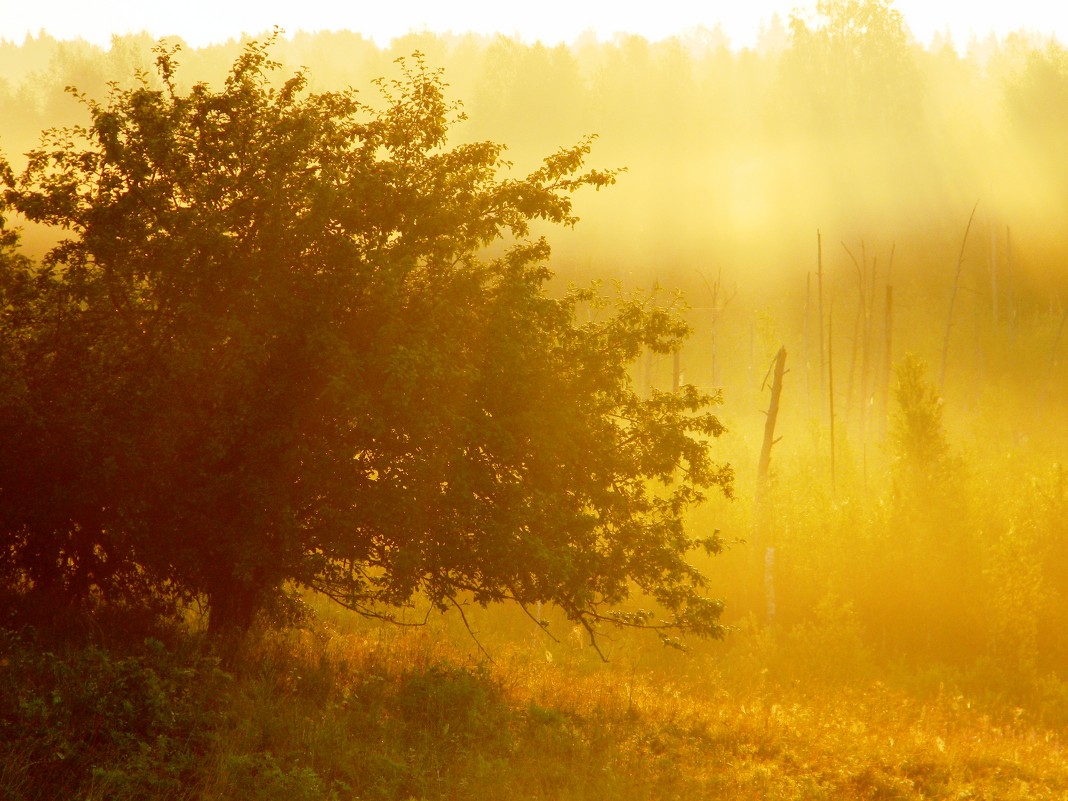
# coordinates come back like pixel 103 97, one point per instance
pixel 924 664
pixel 372 713
pixel 895 579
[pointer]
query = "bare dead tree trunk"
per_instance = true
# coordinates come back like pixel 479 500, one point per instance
pixel 860 362
pixel 888 356
pixel 819 293
pixel 850 408
pixel 720 301
pixel 867 382
pixel 978 381
pixel 953 299
pixel 830 392
pixel 882 381
pixel 1009 289
pixel 776 370
pixel 806 344
pixel 994 273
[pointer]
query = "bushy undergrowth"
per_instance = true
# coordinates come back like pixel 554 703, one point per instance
pixel 85 721
pixel 380 714
pixel 932 548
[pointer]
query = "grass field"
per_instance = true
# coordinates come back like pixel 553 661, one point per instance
pixel 382 713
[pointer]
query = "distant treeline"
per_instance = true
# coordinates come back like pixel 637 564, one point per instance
pixel 734 158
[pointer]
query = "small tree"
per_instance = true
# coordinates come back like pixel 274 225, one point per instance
pixel 298 341
pixel 917 434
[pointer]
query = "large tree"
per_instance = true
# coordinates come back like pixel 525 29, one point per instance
pixel 853 71
pixel 290 339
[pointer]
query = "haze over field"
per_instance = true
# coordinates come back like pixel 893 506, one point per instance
pixel 735 159
pixel 282 354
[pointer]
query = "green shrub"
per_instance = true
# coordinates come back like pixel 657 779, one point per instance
pixel 453 707
pixel 121 726
pixel 260 777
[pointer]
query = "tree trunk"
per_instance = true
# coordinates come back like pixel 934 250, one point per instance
pixel 773 414
pixel 952 301
pixel 233 604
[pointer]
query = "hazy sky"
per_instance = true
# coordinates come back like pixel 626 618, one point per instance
pixel 203 21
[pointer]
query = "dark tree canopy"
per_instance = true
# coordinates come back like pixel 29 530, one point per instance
pixel 291 340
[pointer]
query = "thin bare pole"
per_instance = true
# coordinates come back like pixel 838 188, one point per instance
pixel 777 370
pixel 884 378
pixel 953 299
pixel 807 344
pixel 867 381
pixel 858 330
pixel 887 358
pixel 1011 298
pixel 819 293
pixel 830 376
pixel 720 301
pixel 994 273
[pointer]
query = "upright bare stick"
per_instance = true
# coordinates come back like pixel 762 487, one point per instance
pixel 777 369
pixel 819 292
pixel 953 299
pixel 830 393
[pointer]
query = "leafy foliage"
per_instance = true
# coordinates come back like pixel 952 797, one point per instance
pixel 132 725
pixel 291 339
